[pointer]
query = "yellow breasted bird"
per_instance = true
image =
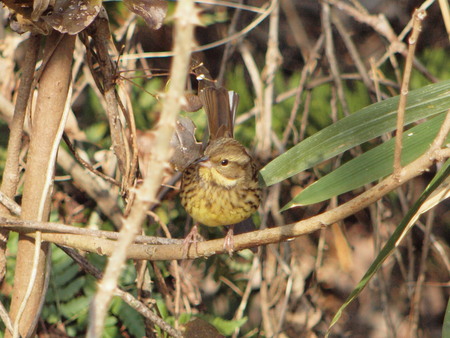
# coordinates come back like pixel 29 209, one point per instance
pixel 221 187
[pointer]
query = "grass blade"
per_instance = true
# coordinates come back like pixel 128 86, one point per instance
pixel 370 166
pixel 362 126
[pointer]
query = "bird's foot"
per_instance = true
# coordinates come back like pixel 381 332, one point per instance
pixel 228 244
pixel 193 237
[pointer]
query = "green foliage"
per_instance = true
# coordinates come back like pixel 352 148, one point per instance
pixel 70 293
pixel 145 103
pixel 237 82
pixel 227 327
pixel 65 300
pixel 370 166
pixel 4 134
pixel 356 95
pixel 97 132
pixel 438 64
pixel 370 122
pixel 129 317
pixel 111 329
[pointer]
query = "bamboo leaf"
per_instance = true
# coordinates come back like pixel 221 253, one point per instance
pixel 362 126
pixel 370 166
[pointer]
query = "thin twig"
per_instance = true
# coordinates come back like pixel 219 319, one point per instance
pixel 318 81
pixel 331 56
pixel 85 164
pixel 299 32
pixel 99 31
pixel 239 313
pixel 414 312
pixel 359 64
pixel 307 70
pixel 6 319
pixel 229 47
pixel 24 226
pixel 445 9
pixel 419 16
pixel 12 206
pixel 273 60
pixel 255 23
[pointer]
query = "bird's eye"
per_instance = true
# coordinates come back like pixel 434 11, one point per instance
pixel 224 163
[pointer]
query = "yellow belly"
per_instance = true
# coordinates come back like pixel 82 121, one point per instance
pixel 216 206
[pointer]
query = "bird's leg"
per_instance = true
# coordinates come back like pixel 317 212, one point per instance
pixel 228 245
pixel 193 237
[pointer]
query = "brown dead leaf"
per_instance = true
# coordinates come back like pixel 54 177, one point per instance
pixel 72 16
pixel 186 148
pixel 152 11
pixel 200 328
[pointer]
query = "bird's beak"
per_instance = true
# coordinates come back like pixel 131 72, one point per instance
pixel 204 162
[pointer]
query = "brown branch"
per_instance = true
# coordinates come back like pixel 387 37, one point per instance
pixel 267 236
pixel 299 33
pixel 9 204
pixel 352 49
pixel 273 61
pixel 99 190
pixel 10 177
pixel 419 16
pixel 11 171
pixel 99 31
pixel 445 9
pixel 307 70
pixel 48 122
pixel 24 227
pixel 85 164
pixel 331 57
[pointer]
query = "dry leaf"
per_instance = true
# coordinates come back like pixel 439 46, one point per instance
pixel 200 328
pixel 70 16
pixel 186 148
pixel 152 11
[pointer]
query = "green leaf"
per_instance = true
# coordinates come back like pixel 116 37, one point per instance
pixel 370 166
pixel 70 290
pixel 362 126
pixel 110 330
pixel 132 320
pixel 390 245
pixel 75 307
pixel 62 277
pixel 227 327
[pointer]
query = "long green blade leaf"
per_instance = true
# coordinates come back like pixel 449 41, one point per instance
pixel 390 245
pixel 370 166
pixel 362 126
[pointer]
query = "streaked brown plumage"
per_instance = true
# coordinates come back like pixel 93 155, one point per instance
pixel 220 188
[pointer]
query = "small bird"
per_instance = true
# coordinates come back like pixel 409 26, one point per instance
pixel 220 188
